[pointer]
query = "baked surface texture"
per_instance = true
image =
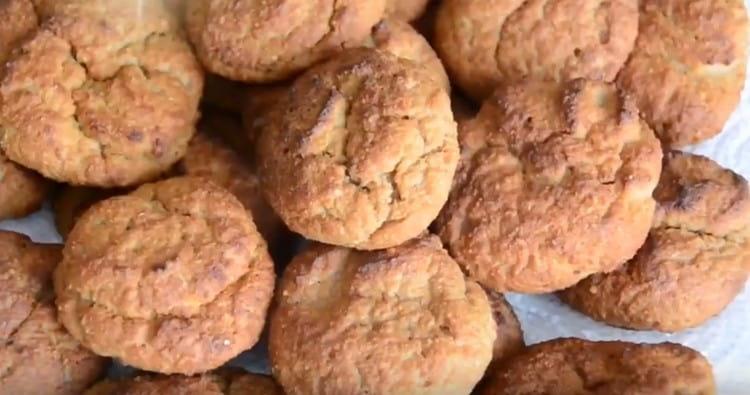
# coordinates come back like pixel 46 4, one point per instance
pixel 695 261
pixel 171 278
pixel 37 355
pixel 363 153
pixel 575 367
pixel 549 174
pixel 397 321
pixel 266 41
pixel 688 66
pixel 104 93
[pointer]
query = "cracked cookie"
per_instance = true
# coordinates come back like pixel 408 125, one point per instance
pixel 509 340
pixel 486 43
pixel 207 384
pixel 104 93
pixel 546 171
pixel 363 153
pixel 171 278
pixel 688 66
pixel 576 366
pixel 268 41
pixel 209 157
pixel 37 355
pixel 695 261
pixel 397 321
pixel 406 10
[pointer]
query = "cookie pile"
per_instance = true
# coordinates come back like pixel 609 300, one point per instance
pixel 197 144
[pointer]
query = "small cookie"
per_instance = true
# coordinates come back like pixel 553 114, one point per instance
pixel 406 10
pixel 171 278
pixel 104 93
pixel 363 153
pixel 22 191
pixel 688 66
pixel 695 261
pixel 546 170
pixel 397 321
pixel 209 157
pixel 489 43
pixel 37 356
pixel 576 366
pixel 509 340
pixel 72 202
pixel 208 384
pixel 268 41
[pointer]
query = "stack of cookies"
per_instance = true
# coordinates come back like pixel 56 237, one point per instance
pixel 197 151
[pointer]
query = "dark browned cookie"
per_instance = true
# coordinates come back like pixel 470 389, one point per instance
pixel 37 355
pixel 171 278
pixel 218 383
pixel 104 93
pixel 576 367
pixel 548 169
pixel 688 66
pixel 695 261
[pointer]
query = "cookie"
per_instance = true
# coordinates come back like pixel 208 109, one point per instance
pixel 22 191
pixel 575 366
pixel 695 261
pixel 688 66
pixel 37 355
pixel 208 384
pixel 406 10
pixel 509 340
pixel 363 153
pixel 211 158
pixel 120 90
pixel 397 321
pixel 547 169
pixel 72 202
pixel 489 43
pixel 171 278
pixel 270 41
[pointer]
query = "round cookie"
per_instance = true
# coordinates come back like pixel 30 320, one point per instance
pixel 576 366
pixel 363 154
pixel 509 340
pixel 695 261
pixel 171 278
pixel 208 384
pixel 209 157
pixel 406 10
pixel 22 191
pixel 550 174
pixel 688 66
pixel 120 90
pixel 266 41
pixel 397 321
pixel 72 202
pixel 489 43
pixel 37 356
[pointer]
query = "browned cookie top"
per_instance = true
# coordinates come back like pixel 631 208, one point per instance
pixel 104 93
pixel 575 367
pixel 263 41
pixel 172 278
pixel 549 174
pixel 37 355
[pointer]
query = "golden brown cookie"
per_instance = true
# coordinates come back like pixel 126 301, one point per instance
pixel 397 321
pixel 487 43
pixel 72 202
pixel 22 191
pixel 688 66
pixel 104 93
pixel 406 10
pixel 576 366
pixel 695 261
pixel 363 154
pixel 509 340
pixel 208 384
pixel 37 355
pixel 547 171
pixel 209 157
pixel 172 278
pixel 265 41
